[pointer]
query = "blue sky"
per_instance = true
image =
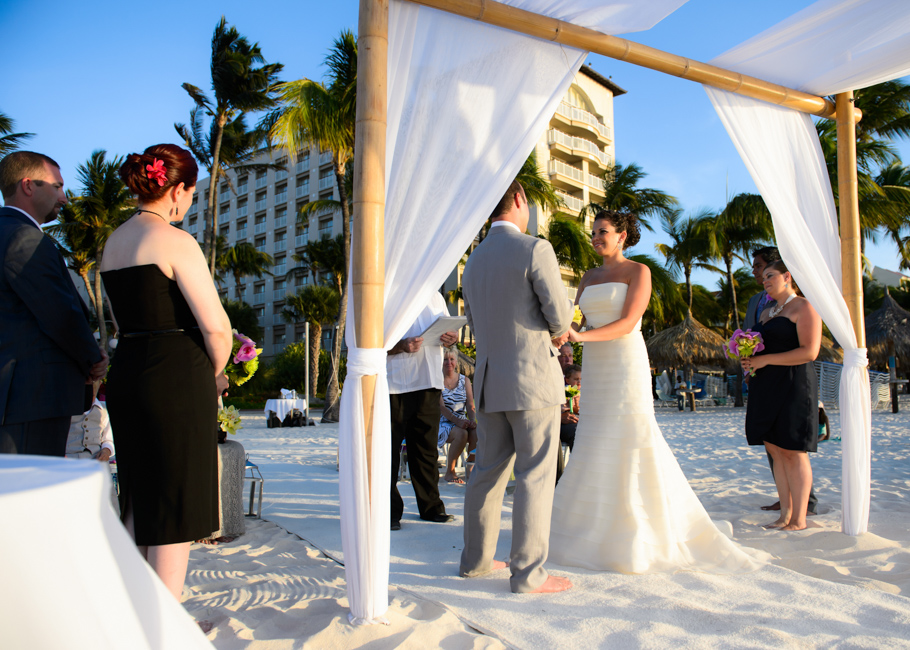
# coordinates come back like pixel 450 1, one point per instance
pixel 107 75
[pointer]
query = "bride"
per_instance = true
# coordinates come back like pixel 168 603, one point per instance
pixel 624 503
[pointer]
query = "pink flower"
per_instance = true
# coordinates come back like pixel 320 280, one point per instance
pixel 244 340
pixel 156 171
pixel 247 352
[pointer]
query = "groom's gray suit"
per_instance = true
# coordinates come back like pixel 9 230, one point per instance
pixel 515 302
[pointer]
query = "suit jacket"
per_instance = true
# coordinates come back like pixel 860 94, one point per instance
pixel 46 345
pixel 751 309
pixel 515 302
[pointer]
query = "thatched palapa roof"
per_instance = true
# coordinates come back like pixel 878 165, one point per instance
pixel 828 352
pixel 690 342
pixel 887 333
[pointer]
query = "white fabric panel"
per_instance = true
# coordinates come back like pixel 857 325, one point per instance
pixel 781 151
pixel 603 16
pixel 830 47
pixel 467 103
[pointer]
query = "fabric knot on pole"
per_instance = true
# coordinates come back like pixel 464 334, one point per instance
pixel 855 358
pixel 363 362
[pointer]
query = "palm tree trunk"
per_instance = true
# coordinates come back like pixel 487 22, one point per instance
pixel 99 303
pixel 738 388
pixel 315 337
pixel 88 287
pixel 237 280
pixel 332 404
pixel 212 225
pixel 688 272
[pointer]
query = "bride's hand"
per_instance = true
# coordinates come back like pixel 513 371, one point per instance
pixel 574 337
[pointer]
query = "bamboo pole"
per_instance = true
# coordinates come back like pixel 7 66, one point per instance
pixel 850 233
pixel 368 249
pixel 551 29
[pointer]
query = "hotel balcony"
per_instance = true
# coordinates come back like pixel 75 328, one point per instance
pixel 573 203
pixel 258 297
pixel 242 211
pixel 261 181
pixel 325 158
pixel 282 198
pixel 582 119
pixel 280 294
pixel 303 190
pixel 281 174
pixel 281 222
pixel 570 176
pixel 580 147
pixel 326 182
pixel 301 240
pixel 259 228
pixel 303 164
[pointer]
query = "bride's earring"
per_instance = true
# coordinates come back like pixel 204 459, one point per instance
pixel 176 210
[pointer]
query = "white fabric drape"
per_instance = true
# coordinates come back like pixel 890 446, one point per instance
pixel 831 46
pixel 467 102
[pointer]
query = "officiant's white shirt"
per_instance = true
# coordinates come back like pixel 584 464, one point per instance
pixel 419 370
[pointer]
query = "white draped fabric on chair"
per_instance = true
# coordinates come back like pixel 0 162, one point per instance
pixel 466 103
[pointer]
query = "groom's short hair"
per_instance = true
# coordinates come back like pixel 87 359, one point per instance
pixel 505 203
pixel 18 165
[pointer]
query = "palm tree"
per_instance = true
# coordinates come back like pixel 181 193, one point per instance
pixel 326 256
pixel 79 255
pixel 730 234
pixel 10 141
pixel 538 189
pixel 242 260
pixel 239 87
pixel 689 244
pixel 886 110
pixel 104 204
pixel 624 195
pixel 666 305
pixel 243 318
pixel 315 304
pixel 571 244
pixel 323 115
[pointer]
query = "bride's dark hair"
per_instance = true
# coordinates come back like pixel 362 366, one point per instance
pixel 623 222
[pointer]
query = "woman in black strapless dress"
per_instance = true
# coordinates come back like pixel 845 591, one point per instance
pixel 175 340
pixel 782 412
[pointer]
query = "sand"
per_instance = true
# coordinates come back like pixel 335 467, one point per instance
pixel 281 585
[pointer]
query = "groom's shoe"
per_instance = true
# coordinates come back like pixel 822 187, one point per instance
pixel 396 525
pixel 441 518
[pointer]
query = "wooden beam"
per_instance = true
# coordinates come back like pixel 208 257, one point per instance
pixel 848 203
pixel 368 246
pixel 551 29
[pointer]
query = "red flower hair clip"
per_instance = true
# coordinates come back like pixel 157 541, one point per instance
pixel 156 172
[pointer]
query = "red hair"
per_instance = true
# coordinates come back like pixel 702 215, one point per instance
pixel 179 168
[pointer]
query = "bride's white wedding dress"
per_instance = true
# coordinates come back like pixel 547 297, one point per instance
pixel 623 503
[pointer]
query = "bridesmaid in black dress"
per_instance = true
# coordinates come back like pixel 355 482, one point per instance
pixel 783 394
pixel 168 370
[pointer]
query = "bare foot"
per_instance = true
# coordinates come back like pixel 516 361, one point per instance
pixel 795 526
pixel 780 523
pixel 205 626
pixel 773 506
pixel 553 585
pixel 452 478
pixel 497 565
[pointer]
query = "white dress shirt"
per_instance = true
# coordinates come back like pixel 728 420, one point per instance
pixel 410 371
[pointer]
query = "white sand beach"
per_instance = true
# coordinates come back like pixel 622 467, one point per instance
pixel 281 585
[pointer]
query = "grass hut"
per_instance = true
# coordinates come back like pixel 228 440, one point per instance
pixel 687 345
pixel 888 334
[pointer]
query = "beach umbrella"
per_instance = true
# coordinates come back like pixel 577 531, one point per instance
pixel 888 333
pixel 688 344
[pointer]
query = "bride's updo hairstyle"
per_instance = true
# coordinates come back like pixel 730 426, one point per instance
pixel 150 174
pixel 623 222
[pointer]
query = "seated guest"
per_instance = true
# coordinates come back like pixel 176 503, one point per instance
pixel 824 427
pixel 680 388
pixel 568 418
pixel 90 433
pixel 456 420
pixel 566 355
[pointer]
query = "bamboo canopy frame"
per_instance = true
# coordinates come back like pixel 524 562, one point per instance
pixel 369 170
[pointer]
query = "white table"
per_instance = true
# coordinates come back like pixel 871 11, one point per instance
pixel 72 577
pixel 282 407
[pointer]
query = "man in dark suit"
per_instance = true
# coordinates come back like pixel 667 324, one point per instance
pixel 47 349
pixel 762 257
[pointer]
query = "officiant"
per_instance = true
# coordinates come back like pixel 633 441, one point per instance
pixel 415 384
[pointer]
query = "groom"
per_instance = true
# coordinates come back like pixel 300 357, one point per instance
pixel 515 302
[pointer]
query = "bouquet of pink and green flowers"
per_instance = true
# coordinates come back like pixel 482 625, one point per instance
pixel 743 345
pixel 244 359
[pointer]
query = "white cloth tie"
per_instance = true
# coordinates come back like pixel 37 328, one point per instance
pixel 363 362
pixel 855 358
